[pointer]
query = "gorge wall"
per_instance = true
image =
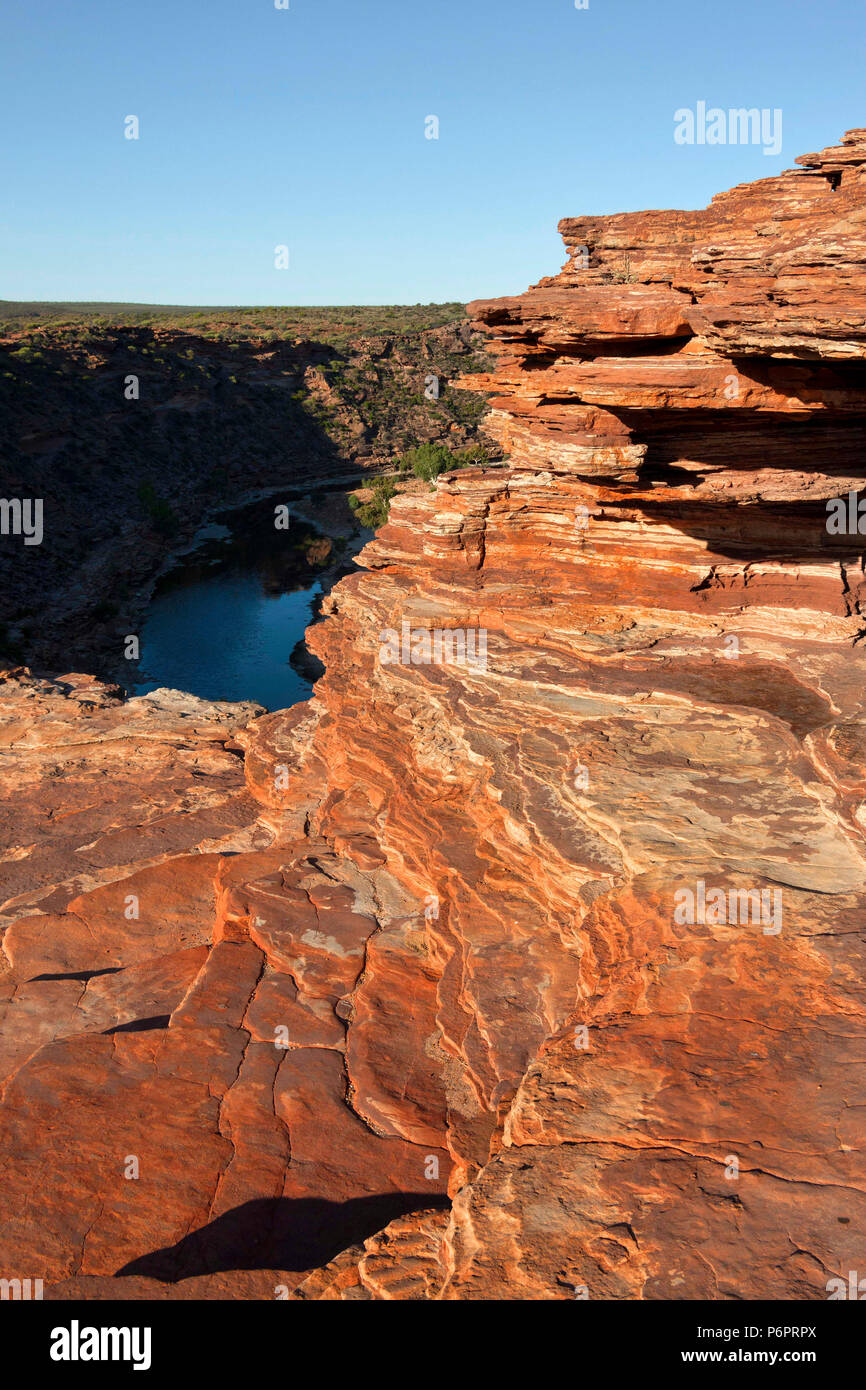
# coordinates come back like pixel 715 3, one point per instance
pixel 133 434
pixel 412 1002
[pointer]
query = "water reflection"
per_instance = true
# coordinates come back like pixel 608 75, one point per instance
pixel 224 622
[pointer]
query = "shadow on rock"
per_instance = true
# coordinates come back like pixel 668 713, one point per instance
pixel 279 1233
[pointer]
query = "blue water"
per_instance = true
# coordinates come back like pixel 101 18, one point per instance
pixel 223 638
pixel 225 621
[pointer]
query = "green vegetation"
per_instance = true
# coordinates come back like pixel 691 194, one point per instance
pixel 172 411
pixel 335 325
pixel 427 461
pixel 357 375
pixel 374 513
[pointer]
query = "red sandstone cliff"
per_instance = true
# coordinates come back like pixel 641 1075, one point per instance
pixel 456 888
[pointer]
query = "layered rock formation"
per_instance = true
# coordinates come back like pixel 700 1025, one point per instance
pixel 536 976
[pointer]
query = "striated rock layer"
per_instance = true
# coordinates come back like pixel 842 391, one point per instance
pixel 424 1011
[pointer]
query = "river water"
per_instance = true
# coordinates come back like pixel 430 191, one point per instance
pixel 224 621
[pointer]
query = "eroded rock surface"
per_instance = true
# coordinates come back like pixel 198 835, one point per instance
pixel 441 946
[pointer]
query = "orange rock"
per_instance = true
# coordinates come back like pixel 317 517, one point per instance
pixel 568 938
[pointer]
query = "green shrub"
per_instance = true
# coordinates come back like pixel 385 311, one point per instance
pixel 375 512
pixel 473 456
pixel 426 461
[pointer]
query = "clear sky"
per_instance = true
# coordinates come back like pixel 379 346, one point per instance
pixel 305 127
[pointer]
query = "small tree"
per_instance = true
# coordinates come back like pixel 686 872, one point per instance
pixel 374 512
pixel 427 461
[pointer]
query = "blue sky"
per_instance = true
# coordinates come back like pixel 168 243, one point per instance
pixel 306 128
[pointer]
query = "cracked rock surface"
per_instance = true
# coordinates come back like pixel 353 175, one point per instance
pixel 409 1007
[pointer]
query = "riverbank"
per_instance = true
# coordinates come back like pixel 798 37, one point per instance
pixel 135 436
